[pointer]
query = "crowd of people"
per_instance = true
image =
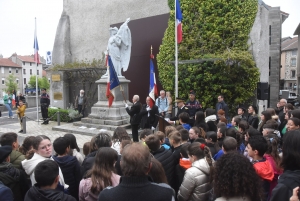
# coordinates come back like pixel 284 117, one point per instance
pixel 203 155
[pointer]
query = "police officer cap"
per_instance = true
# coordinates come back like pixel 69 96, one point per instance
pixel 178 100
pixel 4 152
pixel 192 92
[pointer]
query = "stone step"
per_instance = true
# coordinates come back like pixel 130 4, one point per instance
pixel 120 122
pixel 71 128
pixel 100 126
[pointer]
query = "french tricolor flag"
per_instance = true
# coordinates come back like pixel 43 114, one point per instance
pixel 112 80
pixel 153 87
pixel 178 22
pixel 36 48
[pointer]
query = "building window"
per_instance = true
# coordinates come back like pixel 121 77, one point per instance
pixel 293 73
pixel 24 63
pixel 17 80
pixel 30 71
pixel 9 70
pixel 2 69
pixel 293 62
pixel 37 65
pixel 3 81
pixel 30 63
pixel 37 72
pixel 17 71
pixel 24 71
pixel 24 80
pixel 294 52
pixel 290 85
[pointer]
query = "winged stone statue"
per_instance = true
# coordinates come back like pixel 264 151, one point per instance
pixel 119 47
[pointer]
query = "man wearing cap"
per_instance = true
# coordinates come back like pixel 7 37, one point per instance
pixel 181 108
pixel 194 106
pixel 45 102
pixel 10 176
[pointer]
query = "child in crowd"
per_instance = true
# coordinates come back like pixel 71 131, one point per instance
pixel 184 164
pixel 21 113
pixel 123 145
pixel 235 122
pixel 86 148
pixel 162 137
pixel 100 176
pixel 184 119
pixel 184 135
pixel 243 127
pixel 27 146
pixel 16 157
pixel 157 172
pixel 196 183
pixel 179 127
pixel 74 149
pixel 194 133
pixel 237 187
pixel 232 132
pixel 272 155
pixel 175 141
pixel 212 142
pixel 257 147
pixel 221 134
pixel 47 178
pixel 168 130
pixel 144 134
pixel 229 144
pixel 119 132
pixel 69 165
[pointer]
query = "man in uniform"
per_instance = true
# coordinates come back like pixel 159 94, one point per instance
pixel 45 102
pixel 194 106
pixel 181 108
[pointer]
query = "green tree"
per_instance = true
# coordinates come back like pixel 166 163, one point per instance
pixel 11 83
pixel 218 30
pixel 42 82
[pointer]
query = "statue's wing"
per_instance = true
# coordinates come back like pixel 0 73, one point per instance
pixel 125 49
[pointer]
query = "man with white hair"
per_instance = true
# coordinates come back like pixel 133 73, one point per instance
pixel 80 102
pixel 281 114
pixel 135 119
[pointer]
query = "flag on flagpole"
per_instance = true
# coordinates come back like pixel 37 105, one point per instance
pixel 153 88
pixel 36 48
pixel 112 81
pixel 178 22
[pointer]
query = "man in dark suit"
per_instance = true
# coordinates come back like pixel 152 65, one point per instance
pixel 181 108
pixel 149 118
pixel 222 105
pixel 134 112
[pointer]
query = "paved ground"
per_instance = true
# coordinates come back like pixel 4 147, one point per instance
pixel 34 128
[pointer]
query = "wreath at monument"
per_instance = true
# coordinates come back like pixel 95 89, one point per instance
pixel 215 35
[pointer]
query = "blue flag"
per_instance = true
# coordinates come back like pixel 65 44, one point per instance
pixel 114 80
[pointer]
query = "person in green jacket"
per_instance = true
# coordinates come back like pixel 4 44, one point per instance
pixel 11 139
pixel 8 103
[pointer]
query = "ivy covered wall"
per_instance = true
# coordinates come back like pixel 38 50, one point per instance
pixel 215 29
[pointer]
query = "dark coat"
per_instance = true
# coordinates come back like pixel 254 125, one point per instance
pixel 281 115
pixel 45 100
pixel 88 163
pixel 70 168
pixel 222 105
pixel 212 148
pixel 212 126
pixel 167 161
pixel 37 194
pixel 202 125
pixel 253 121
pixel 84 102
pixel 5 193
pixel 134 112
pixel 180 110
pixel 286 183
pixel 152 120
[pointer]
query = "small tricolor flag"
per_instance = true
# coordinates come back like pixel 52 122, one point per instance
pixel 112 81
pixel 178 22
pixel 153 87
pixel 36 48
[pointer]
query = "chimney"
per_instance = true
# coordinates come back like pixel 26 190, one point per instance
pixel 1 56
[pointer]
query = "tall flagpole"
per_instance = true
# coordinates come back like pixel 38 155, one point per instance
pixel 176 58
pixel 36 78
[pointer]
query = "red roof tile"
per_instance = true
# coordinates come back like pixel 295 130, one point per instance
pixel 26 58
pixel 8 63
pixel 289 44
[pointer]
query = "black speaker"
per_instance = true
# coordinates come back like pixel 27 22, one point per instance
pixel 262 90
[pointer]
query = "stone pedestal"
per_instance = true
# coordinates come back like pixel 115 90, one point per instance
pixel 115 115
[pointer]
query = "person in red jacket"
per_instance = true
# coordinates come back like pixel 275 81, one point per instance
pixel 257 146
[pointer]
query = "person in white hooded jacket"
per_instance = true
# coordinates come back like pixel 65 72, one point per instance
pixel 43 151
pixel 196 182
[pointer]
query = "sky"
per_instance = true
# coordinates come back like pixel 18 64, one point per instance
pixel 17 22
